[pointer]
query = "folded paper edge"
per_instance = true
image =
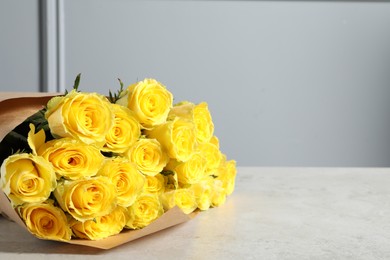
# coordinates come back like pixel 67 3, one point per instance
pixel 169 219
pixel 12 95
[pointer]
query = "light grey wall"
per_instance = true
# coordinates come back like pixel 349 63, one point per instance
pixel 19 45
pixel 289 83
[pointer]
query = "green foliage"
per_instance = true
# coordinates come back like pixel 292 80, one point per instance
pixel 114 97
pixel 167 172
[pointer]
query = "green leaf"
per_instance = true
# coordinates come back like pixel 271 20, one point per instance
pixel 121 84
pixel 77 82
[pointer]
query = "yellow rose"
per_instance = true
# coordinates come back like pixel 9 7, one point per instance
pixel 27 178
pixel 213 156
pixel 168 199
pixel 46 221
pixel 203 122
pixel 177 137
pixel 71 158
pixel 144 211
pixel 86 199
pixel 101 227
pixel 227 175
pixel 202 192
pixel 221 167
pixel 209 192
pixel 84 116
pixel 150 101
pixel 185 200
pixel 125 131
pixel 128 181
pixel 184 109
pixel 199 114
pixel 148 156
pixel 154 184
pixel 218 193
pixel 191 171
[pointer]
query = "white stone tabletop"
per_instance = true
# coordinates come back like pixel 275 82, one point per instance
pixel 274 213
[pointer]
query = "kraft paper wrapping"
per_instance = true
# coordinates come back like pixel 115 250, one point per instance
pixel 14 109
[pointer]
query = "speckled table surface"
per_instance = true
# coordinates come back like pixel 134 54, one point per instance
pixel 274 213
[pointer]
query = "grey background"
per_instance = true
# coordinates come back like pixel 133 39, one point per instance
pixel 19 46
pixel 289 83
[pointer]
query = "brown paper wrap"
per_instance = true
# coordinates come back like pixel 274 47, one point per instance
pixel 14 109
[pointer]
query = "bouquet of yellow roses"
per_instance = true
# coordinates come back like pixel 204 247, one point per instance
pixel 101 171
